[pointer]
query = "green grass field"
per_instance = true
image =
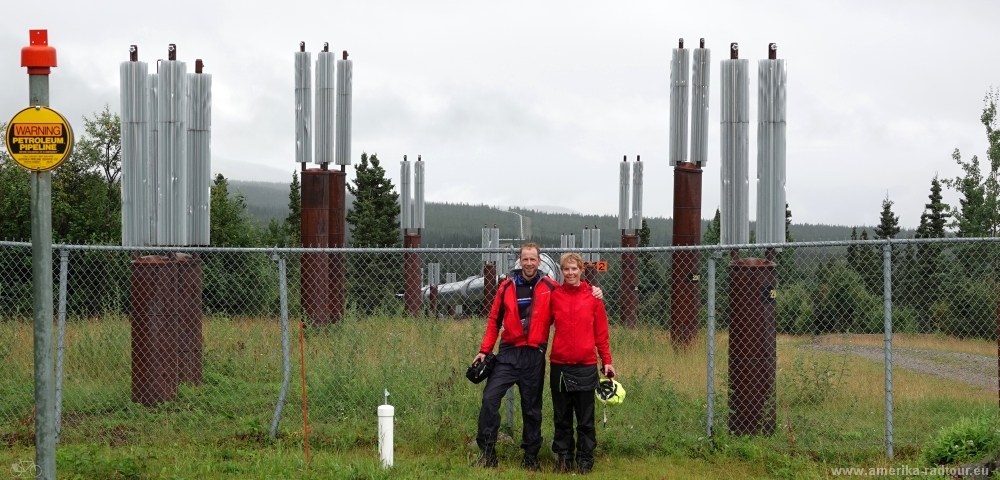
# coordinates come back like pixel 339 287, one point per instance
pixel 829 406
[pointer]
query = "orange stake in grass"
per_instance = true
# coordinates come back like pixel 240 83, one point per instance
pixel 305 412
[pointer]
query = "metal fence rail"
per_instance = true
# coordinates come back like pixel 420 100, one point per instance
pixel 841 349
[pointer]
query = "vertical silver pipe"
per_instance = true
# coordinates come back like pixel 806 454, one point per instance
pixel 433 274
pixel 405 197
pixel 887 307
pixel 41 290
pixel 487 237
pixel 345 84
pixel 418 193
pixel 152 163
pixel 286 360
pixel 61 336
pixel 326 95
pixel 303 106
pixel 199 157
pixel 637 195
pixel 771 80
pixel 172 164
pixel 585 239
pixel 624 174
pixel 134 91
pixel 710 400
pixel 498 258
pixel 735 143
pixel 595 241
pixel 700 73
pixel 680 62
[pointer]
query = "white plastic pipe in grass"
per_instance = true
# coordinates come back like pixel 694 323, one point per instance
pixel 386 417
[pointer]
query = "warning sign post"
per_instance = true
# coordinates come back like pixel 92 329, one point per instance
pixel 39 139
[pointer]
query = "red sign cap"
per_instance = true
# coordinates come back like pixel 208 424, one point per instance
pixel 38 56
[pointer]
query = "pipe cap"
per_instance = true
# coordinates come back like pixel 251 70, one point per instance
pixel 38 56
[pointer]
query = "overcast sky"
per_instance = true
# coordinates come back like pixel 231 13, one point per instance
pixel 535 103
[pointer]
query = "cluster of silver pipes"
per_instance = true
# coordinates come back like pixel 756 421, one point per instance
pixel 166 133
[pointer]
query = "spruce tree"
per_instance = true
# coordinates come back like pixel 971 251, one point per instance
pixel 852 251
pixel 293 222
pixel 786 257
pixel 374 221
pixel 935 216
pixel 869 265
pixel 888 226
pixel 374 216
pixel 231 223
pixel 926 262
pixel 644 234
pixel 712 234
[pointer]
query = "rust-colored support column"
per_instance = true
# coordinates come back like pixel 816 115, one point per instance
pixel 630 283
pixel 590 274
pixel 752 347
pixel 315 286
pixel 411 275
pixel 152 307
pixel 338 264
pixel 189 335
pixel 489 287
pixel 685 264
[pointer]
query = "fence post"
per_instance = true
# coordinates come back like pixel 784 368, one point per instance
pixel 61 336
pixel 710 401
pixel 887 305
pixel 286 361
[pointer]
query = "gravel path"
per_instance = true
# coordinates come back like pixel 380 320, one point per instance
pixel 977 370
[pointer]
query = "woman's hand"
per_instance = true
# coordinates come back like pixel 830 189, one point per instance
pixel 597 292
pixel 609 371
pixel 479 358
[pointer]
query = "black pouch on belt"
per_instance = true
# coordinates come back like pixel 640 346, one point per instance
pixel 582 378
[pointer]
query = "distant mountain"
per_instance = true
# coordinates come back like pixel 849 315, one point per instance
pixel 265 200
pixel 461 224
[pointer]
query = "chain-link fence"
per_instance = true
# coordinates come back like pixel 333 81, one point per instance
pixel 844 350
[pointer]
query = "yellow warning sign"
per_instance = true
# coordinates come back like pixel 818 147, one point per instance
pixel 39 138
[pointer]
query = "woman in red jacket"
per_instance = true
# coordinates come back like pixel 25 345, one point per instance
pixel 581 336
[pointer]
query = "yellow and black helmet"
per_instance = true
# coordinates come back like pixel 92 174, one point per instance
pixel 610 392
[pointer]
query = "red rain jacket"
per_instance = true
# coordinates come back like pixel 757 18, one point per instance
pixel 581 325
pixel 512 332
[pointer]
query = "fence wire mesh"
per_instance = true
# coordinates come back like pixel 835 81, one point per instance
pixel 215 345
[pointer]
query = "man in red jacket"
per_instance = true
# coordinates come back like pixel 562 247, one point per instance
pixel 581 336
pixel 521 318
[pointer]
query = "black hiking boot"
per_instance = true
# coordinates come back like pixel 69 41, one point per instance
pixel 487 459
pixel 564 465
pixel 530 462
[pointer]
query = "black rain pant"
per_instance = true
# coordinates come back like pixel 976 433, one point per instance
pixel 524 367
pixel 565 405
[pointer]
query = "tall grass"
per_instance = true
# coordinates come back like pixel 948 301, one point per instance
pixel 830 405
